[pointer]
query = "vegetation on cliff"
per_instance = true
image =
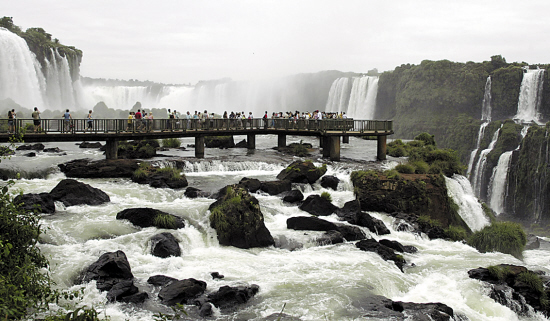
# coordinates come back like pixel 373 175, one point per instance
pixel 505 237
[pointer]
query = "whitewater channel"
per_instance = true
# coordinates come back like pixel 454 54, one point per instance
pixel 312 282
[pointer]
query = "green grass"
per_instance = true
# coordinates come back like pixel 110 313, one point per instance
pixel 405 169
pixel 505 237
pixel 163 220
pixel 171 142
pixel 456 233
pixel 326 196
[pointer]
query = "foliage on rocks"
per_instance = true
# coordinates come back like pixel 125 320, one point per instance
pixel 505 237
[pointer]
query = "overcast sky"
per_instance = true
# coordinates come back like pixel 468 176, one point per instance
pixel 181 41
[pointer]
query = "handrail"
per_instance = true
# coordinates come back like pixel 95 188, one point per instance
pixel 178 125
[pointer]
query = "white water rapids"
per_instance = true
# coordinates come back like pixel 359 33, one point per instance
pixel 312 282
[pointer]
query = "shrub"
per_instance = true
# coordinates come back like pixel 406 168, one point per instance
pixel 426 138
pixel 505 237
pixel 171 142
pixel 499 272
pixel 455 233
pixel 170 172
pixel 326 196
pixel 405 168
pixel 420 167
pixel 163 220
pixel 392 174
pixel 299 150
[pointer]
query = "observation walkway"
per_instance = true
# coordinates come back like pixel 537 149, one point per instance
pixel 330 131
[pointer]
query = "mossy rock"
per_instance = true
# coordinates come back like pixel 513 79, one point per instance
pixel 238 220
pixel 302 172
pixel 147 217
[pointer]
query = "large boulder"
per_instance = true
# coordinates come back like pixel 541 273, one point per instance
pixel 159 177
pixel 160 280
pixel 146 217
pixel 182 291
pixel 251 184
pixel 302 172
pixel 330 237
pixel 90 145
pixel 377 307
pixel 37 147
pixel 192 192
pixel 138 149
pixel 36 203
pixel 318 206
pixel 372 223
pixel 388 254
pixel 293 196
pixel 72 192
pixel 351 233
pixel 309 223
pixel 228 297
pixel 110 269
pixel 276 187
pixel 108 168
pixel 238 220
pixel 165 245
pixel 219 142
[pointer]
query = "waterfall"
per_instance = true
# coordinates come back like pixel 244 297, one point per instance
pixel 338 96
pixel 530 97
pixel 498 183
pixel 59 85
pixel 486 118
pixel 474 152
pixel 20 75
pixel 469 208
pixel 481 162
pixel 362 101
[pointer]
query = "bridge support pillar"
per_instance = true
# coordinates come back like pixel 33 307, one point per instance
pixel 381 148
pixel 111 149
pixel 321 141
pixel 281 140
pixel 325 145
pixel 334 147
pixel 251 141
pixel 199 146
pixel 345 139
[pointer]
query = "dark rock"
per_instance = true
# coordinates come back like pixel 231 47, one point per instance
pixel 309 223
pixel 251 184
pixel 137 298
pixel 110 269
pixel 192 192
pixel 165 245
pixel 191 145
pixel 31 154
pixel 182 291
pixel 145 217
pixel 317 205
pixel 216 275
pixel 281 317
pixel 293 196
pixel 141 149
pixel 219 142
pixel 205 310
pixel 276 187
pixel 302 172
pixel 72 192
pixel 329 181
pixel 373 224
pixel 505 295
pixel 533 242
pixel 121 289
pixel 109 168
pixel 377 307
pixel 410 249
pixel 90 145
pixel 159 179
pixel 36 147
pixel 349 212
pixel 282 242
pixel 425 311
pixel 52 150
pixel 240 224
pixel 388 254
pixel 351 233
pixel 393 245
pixel 330 237
pixel 160 280
pixel 228 297
pixel 37 203
pixel 242 144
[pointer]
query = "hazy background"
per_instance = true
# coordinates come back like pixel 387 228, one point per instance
pixel 188 41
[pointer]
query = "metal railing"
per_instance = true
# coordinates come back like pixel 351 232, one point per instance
pixel 174 125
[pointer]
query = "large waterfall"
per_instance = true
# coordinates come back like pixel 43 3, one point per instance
pixel 469 208
pixel 498 183
pixel 530 97
pixel 486 118
pixel 359 102
pixel 477 178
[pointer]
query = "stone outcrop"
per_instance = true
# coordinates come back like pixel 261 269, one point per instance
pixel 90 145
pixel 71 192
pixel 192 192
pixel 237 219
pixel 219 142
pixel 141 149
pixel 165 245
pixel 36 203
pixel 329 181
pixel 146 217
pixel 276 187
pixel 351 213
pixel 251 184
pixel 302 172
pixel 377 307
pixel 228 297
pixel 309 223
pixel 109 168
pixel 318 206
pixel 160 177
pixel 36 147
pixel 293 196
pixel 388 254
pixel 182 291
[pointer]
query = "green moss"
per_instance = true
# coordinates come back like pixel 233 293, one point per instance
pixel 499 272
pixel 326 196
pixel 505 237
pixel 163 220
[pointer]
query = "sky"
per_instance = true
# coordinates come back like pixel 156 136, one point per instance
pixel 183 41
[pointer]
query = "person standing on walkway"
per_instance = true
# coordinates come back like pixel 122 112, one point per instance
pixel 11 120
pixel 36 119
pixel 89 121
pixel 67 121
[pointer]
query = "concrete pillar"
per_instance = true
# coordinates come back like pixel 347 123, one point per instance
pixel 326 146
pixel 321 141
pixel 381 148
pixel 251 141
pixel 345 139
pixel 111 149
pixel 199 146
pixel 281 140
pixel 334 148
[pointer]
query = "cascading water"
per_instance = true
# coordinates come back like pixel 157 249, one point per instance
pixel 59 85
pixel 477 179
pixel 486 118
pixel 530 96
pixel 338 96
pixel 362 101
pixel 20 75
pixel 498 183
pixel 469 208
